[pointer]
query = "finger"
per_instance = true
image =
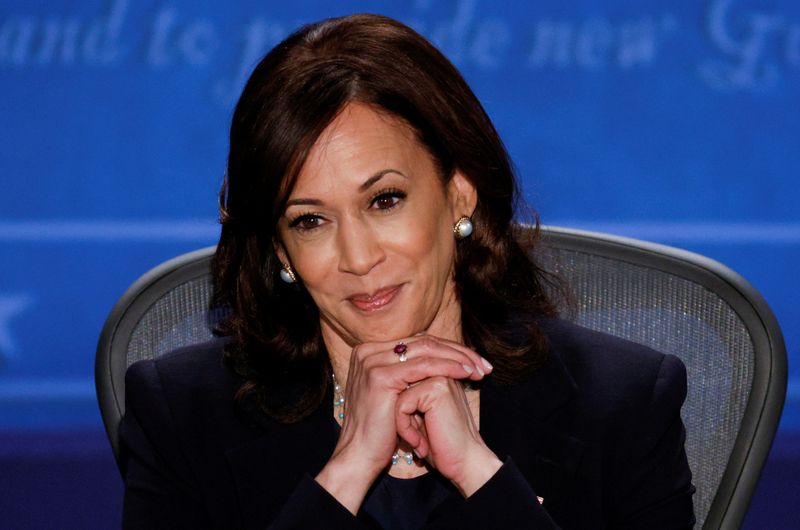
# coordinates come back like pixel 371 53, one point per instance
pixel 379 353
pixel 430 348
pixel 435 400
pixel 411 428
pixel 398 377
pixel 422 368
pixel 407 428
pixel 424 448
pixel 412 404
pixel 430 345
pixel 477 358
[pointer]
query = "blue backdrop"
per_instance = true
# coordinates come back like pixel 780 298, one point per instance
pixel 675 121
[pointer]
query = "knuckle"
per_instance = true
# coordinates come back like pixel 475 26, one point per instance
pixel 368 363
pixel 376 376
pixel 358 352
pixel 426 343
pixel 425 363
pixel 399 408
pixel 439 384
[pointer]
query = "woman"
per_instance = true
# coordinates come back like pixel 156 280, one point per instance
pixel 391 358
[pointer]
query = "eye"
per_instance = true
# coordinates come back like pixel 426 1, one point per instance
pixel 387 199
pixel 306 222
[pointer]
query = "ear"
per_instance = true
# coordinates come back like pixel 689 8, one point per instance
pixel 280 250
pixel 463 196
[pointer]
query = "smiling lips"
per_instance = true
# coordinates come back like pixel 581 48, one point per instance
pixel 380 299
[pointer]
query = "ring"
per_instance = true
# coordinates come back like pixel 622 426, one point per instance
pixel 400 349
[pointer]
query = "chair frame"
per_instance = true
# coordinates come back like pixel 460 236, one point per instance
pixel 770 369
pixel 111 359
pixel 762 412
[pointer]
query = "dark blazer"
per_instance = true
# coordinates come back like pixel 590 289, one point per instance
pixel 596 432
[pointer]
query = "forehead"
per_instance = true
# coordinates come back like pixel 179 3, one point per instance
pixel 359 142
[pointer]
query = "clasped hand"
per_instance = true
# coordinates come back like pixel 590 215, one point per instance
pixel 420 401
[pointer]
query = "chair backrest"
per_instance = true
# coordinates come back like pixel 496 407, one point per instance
pixel 672 300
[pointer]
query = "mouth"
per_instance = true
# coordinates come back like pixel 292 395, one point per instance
pixel 378 300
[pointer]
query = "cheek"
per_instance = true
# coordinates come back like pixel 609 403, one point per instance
pixel 414 232
pixel 314 262
pixel 430 244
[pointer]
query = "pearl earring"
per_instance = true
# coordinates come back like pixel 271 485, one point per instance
pixel 463 228
pixel 287 274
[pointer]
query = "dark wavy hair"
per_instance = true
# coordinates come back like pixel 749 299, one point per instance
pixel 293 94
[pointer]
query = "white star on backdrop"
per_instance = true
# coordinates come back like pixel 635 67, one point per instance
pixel 10 306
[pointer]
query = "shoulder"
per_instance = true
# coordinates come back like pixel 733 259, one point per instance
pixel 198 365
pixel 195 367
pixel 586 350
pixel 614 374
pixel 191 385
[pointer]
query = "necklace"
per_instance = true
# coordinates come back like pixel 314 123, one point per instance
pixel 338 404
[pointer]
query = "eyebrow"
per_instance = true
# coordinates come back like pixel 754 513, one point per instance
pixel 362 188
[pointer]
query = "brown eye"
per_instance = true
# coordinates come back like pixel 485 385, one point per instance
pixel 306 222
pixel 309 222
pixel 388 200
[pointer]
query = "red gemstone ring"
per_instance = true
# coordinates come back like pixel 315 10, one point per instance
pixel 400 349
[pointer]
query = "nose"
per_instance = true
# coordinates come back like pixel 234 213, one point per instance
pixel 360 248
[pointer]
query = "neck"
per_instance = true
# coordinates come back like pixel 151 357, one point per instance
pixel 339 352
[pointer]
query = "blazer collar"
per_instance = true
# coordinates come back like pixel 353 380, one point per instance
pixel 530 422
pixel 266 467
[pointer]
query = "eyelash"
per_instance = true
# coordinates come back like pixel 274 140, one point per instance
pixel 389 193
pixel 295 223
pixel 392 193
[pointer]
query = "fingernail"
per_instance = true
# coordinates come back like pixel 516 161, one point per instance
pixel 487 364
pixel 467 368
pixel 417 454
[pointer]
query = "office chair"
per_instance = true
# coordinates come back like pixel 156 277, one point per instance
pixel 671 300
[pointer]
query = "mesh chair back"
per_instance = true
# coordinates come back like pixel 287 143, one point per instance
pixel 690 306
pixel 670 300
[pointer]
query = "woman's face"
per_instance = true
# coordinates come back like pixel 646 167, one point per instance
pixel 368 229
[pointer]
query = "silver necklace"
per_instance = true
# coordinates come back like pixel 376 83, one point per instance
pixel 338 404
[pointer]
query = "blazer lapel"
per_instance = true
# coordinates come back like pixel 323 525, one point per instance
pixel 267 468
pixel 529 422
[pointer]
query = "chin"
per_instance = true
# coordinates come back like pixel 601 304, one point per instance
pixel 387 329
pixel 384 335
